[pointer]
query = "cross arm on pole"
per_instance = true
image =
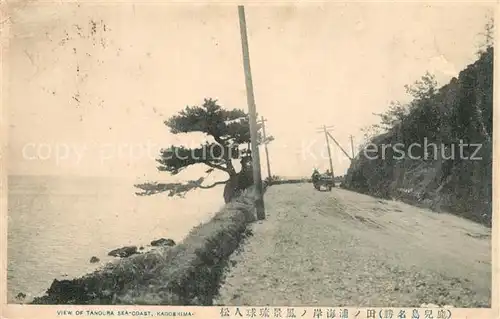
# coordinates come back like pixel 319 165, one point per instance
pixel 324 128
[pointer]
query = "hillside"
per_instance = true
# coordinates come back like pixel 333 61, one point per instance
pixel 457 113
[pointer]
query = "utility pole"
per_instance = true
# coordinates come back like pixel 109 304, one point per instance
pixel 265 146
pixel 341 148
pixel 352 147
pixel 257 178
pixel 329 151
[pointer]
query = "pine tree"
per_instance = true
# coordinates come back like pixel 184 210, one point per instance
pixel 230 131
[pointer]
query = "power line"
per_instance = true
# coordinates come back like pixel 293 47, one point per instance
pixel 330 135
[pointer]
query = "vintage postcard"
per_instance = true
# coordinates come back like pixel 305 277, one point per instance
pixel 249 159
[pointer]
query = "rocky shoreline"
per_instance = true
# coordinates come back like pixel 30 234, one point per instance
pixel 77 286
pixel 154 274
pixel 187 273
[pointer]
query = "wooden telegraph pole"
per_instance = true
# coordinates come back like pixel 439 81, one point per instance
pixel 329 152
pixel 265 146
pixel 324 128
pixel 259 203
pixel 352 146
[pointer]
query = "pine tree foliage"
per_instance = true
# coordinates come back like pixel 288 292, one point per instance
pixel 229 135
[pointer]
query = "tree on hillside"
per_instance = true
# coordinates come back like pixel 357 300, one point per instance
pixel 369 132
pixel 420 109
pixel 488 35
pixel 424 115
pixel 424 88
pixel 391 117
pixel 230 134
pixel 415 120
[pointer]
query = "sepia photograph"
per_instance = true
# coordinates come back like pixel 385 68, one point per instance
pixel 260 155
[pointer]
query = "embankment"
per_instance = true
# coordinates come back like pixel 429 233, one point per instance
pixel 450 169
pixel 187 274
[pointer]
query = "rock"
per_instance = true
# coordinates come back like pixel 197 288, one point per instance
pixel 123 252
pixel 80 291
pixel 141 248
pixel 66 288
pixel 94 260
pixel 163 242
pixel 21 295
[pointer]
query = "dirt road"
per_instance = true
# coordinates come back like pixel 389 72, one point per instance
pixel 346 249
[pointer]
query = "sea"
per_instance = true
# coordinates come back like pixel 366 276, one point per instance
pixel 57 223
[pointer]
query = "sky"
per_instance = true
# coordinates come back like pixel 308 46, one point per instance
pixel 89 86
